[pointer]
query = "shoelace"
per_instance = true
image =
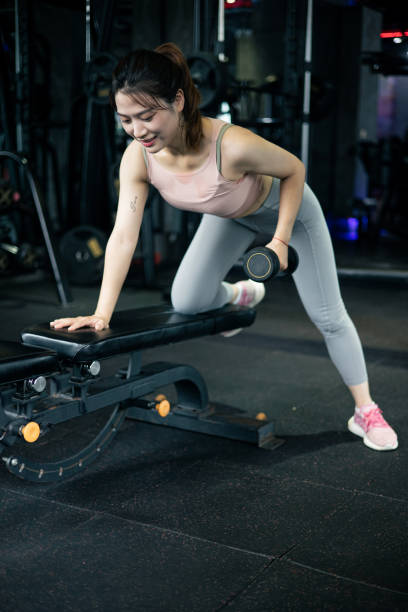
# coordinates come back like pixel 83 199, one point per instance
pixel 373 418
pixel 246 297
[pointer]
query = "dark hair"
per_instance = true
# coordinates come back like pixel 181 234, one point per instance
pixel 157 75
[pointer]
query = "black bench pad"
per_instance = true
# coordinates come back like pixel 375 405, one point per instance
pixel 18 362
pixel 136 329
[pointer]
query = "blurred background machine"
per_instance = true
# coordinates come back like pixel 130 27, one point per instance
pixel 325 79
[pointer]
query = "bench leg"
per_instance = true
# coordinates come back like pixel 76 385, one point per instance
pixel 124 396
pixel 193 411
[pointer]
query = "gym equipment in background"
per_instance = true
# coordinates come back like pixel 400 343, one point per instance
pixel 82 250
pixel 50 243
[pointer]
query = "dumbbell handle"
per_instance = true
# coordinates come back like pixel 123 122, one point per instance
pixel 262 263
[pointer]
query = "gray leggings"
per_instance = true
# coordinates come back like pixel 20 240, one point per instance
pixel 219 243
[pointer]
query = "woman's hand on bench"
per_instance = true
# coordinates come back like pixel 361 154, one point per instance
pixel 73 323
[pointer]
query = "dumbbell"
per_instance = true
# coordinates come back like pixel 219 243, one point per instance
pixel 262 263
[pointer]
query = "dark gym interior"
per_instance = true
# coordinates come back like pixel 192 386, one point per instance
pixel 267 502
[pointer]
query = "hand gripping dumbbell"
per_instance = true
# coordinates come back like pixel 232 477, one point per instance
pixel 262 263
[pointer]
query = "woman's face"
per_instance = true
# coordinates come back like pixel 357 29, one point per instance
pixel 155 128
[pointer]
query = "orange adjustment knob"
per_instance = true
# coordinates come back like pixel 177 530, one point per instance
pixel 31 431
pixel 163 407
pixel 261 416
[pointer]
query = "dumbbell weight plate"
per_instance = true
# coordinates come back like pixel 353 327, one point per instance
pixel 261 263
pixel 293 260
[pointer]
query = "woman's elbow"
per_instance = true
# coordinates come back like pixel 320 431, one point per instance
pixel 296 170
pixel 300 169
pixel 120 239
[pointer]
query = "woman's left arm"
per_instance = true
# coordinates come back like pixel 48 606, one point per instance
pixel 246 152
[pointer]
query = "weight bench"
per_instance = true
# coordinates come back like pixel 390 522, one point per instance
pixel 55 376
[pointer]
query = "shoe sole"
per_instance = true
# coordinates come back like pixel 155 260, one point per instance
pixel 258 297
pixel 358 431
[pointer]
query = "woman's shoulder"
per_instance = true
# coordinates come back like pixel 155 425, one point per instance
pixel 237 141
pixel 133 164
pixel 237 133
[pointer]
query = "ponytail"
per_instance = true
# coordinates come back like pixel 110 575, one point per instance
pixel 191 113
pixel 158 75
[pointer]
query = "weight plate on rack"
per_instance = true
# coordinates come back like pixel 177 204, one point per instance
pixel 98 77
pixel 207 76
pixel 82 250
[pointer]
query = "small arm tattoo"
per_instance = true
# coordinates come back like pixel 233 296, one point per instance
pixel 133 204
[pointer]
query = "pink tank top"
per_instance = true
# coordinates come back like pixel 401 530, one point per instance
pixel 205 190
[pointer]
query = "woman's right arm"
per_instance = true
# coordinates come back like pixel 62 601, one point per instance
pixel 122 242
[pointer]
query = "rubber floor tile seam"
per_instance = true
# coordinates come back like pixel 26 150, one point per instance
pixel 151 526
pixel 51 500
pixel 280 458
pixel 345 490
pixel 345 578
pixel 312 483
pixel 244 589
pixel 287 552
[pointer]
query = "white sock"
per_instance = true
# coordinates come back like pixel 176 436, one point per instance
pixel 365 408
pixel 239 294
pixel 230 290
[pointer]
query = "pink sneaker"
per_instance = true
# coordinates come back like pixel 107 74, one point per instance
pixel 369 424
pixel 250 294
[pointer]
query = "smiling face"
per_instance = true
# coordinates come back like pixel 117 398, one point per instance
pixel 154 127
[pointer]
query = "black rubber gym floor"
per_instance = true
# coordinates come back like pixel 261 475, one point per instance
pixel 176 521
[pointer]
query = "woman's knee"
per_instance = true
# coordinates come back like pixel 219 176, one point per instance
pixel 183 304
pixel 187 300
pixel 333 323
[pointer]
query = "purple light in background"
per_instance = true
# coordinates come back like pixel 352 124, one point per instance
pixel 352 229
pixel 352 224
pixel 344 228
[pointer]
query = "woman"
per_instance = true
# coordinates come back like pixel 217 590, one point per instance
pixel 243 185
